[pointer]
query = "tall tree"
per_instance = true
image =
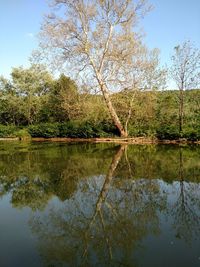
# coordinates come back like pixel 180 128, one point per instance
pixel 30 84
pixel 64 99
pixel 96 40
pixel 11 105
pixel 185 71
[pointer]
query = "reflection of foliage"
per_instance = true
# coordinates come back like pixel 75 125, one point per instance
pixel 109 204
pixel 37 174
pixel 82 233
pixel 185 212
pixel 151 162
pixel 100 221
pixel 186 209
pixel 39 171
pixel 30 193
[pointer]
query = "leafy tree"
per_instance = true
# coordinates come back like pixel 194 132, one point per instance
pixel 64 100
pixel 31 84
pixel 185 71
pixel 11 111
pixel 95 40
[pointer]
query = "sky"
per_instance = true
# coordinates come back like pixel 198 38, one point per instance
pixel 170 23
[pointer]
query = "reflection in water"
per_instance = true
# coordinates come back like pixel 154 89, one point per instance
pixel 185 210
pixel 101 224
pixel 100 205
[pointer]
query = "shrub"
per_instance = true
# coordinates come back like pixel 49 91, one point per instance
pixel 134 131
pixel 85 130
pixel 191 134
pixel 46 130
pixel 106 128
pixel 168 132
pixel 7 131
pixel 23 134
pixel 68 129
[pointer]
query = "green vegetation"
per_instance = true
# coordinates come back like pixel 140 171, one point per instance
pixel 8 131
pixel 71 130
pixel 58 108
pixel 65 189
pixel 39 171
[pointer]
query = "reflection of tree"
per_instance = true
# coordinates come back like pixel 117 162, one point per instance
pixel 101 218
pixel 34 173
pixel 107 182
pixel 102 223
pixel 102 198
pixel 32 177
pixel 25 181
pixel 186 207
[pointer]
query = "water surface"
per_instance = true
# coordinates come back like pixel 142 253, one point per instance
pixel 99 205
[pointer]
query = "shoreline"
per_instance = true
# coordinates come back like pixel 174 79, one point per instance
pixel 117 140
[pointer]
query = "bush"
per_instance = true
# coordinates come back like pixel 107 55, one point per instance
pixel 134 131
pixel 23 134
pixel 46 130
pixel 72 130
pixel 168 132
pixel 92 130
pixel 141 131
pixel 85 130
pixel 191 134
pixel 68 129
pixel 7 131
pixel 106 128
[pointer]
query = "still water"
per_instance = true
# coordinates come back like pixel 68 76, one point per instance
pixel 99 205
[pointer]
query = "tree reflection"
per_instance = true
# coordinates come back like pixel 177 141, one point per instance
pixel 34 177
pixel 102 223
pixel 105 200
pixel 186 208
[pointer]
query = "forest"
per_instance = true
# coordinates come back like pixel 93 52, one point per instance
pixel 33 103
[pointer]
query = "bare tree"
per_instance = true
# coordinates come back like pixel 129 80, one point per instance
pixel 95 39
pixel 185 71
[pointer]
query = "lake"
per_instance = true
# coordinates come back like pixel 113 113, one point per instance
pixel 99 205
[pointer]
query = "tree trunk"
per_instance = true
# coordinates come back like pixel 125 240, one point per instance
pixel 107 183
pixel 181 178
pixel 106 95
pixel 181 111
pixel 115 118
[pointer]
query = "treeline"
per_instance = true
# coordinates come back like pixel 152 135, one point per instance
pixel 34 103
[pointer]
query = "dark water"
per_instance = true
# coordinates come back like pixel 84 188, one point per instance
pixel 99 205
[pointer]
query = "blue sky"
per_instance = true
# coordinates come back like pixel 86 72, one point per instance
pixel 20 22
pixel 170 23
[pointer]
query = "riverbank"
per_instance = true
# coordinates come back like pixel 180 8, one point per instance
pixel 71 131
pixel 130 140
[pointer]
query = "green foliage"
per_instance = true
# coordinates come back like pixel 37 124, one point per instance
pixel 191 133
pixel 167 132
pixel 71 130
pixel 46 130
pixel 8 131
pixel 167 115
pixel 67 129
pixel 23 94
pixel 58 108
pixel 23 134
pixel 135 131
pixel 64 102
pixel 75 130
